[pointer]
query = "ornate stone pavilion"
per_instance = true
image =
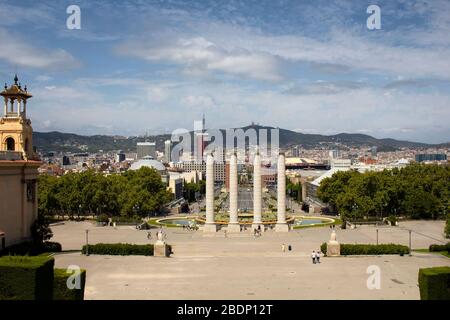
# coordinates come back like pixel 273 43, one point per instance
pixel 18 167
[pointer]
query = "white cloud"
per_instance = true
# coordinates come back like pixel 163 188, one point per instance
pixel 200 54
pixel 198 101
pixel 18 52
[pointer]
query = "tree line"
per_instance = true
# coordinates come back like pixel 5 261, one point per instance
pixel 417 191
pixel 192 191
pixel 132 193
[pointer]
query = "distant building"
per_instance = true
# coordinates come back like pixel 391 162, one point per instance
pixel 188 166
pixel 175 185
pixel 373 152
pixel 150 162
pixel 200 142
pixel 120 156
pixel 341 163
pixel 304 163
pixel 295 152
pixel 146 149
pixel 268 176
pixel 422 157
pixel 167 150
pixel 334 154
pixel 65 161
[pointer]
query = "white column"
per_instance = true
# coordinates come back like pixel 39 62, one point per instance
pixel 233 225
pixel 257 198
pixel 210 225
pixel 281 225
pixel 6 106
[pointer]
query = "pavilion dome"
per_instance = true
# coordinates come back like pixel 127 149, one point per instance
pixel 148 162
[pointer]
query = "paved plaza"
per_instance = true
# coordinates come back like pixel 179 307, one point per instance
pixel 241 267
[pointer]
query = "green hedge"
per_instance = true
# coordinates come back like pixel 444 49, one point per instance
pixel 60 289
pixel 26 278
pixel 31 249
pixel 434 283
pixel 369 249
pixel 120 249
pixel 439 247
pixel 323 248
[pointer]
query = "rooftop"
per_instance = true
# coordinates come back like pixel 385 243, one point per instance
pixel 148 162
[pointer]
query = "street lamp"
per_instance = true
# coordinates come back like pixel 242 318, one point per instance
pixel 409 242
pixel 87 242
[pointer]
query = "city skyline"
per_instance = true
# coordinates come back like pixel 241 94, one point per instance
pixel 135 67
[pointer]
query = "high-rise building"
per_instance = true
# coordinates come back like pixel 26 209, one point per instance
pixel 373 152
pixel 200 145
pixel 334 154
pixel 200 141
pixel 65 161
pixel 295 152
pixel 167 150
pixel 146 149
pixel 120 156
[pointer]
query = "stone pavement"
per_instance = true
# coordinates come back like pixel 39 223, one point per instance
pixel 242 267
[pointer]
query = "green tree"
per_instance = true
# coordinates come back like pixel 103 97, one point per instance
pixel 416 191
pixel 40 230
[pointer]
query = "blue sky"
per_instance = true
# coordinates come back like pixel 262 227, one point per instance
pixel 310 66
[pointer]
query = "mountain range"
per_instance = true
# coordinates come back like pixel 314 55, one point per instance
pixel 69 142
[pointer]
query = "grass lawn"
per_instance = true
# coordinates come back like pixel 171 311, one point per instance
pixel 444 253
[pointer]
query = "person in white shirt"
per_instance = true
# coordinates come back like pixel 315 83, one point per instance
pixel 313 257
pixel 318 256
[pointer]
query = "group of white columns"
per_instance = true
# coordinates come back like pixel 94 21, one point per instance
pixel 233 225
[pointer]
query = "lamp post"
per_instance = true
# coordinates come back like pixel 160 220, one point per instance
pixel 409 242
pixel 87 242
pixel 377 236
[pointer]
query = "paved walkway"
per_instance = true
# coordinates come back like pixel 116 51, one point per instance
pixel 242 267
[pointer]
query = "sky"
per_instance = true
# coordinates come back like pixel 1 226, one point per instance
pixel 138 67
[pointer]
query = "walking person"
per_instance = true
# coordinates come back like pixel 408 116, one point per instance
pixel 149 235
pixel 313 257
pixel 318 256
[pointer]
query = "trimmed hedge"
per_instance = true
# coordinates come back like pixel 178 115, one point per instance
pixel 120 249
pixel 31 249
pixel 26 278
pixel 323 248
pixel 369 249
pixel 60 289
pixel 434 283
pixel 439 247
